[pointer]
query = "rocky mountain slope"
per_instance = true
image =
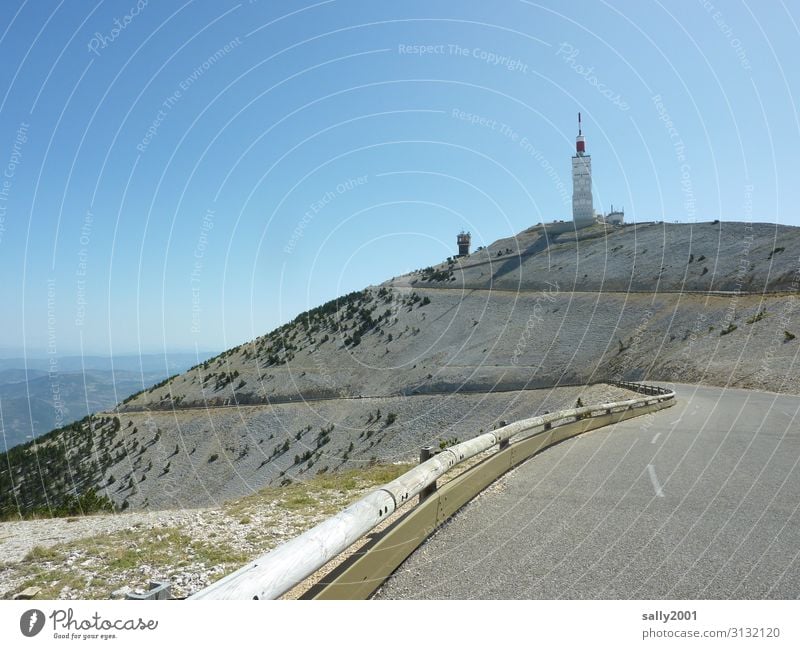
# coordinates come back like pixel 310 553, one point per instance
pixel 649 257
pixel 536 311
pixel 441 353
pixel 199 457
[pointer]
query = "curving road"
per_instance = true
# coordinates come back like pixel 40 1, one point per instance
pixel 700 501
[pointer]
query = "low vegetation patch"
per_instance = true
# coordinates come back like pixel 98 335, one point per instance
pixel 326 492
pixel 96 566
pixel 55 474
pixel 758 316
pixel 446 443
pixel 430 274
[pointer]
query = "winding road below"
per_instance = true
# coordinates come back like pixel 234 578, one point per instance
pixel 700 501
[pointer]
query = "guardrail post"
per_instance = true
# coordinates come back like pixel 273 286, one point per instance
pixel 426 453
pixel 504 444
pixel 158 590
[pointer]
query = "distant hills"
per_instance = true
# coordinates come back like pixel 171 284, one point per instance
pixel 158 363
pixel 84 385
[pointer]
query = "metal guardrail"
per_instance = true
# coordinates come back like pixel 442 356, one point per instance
pixel 276 572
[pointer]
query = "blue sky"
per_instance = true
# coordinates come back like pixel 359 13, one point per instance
pixel 182 175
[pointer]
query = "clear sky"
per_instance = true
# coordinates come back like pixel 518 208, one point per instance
pixel 181 175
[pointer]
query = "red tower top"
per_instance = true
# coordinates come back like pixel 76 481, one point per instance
pixel 580 143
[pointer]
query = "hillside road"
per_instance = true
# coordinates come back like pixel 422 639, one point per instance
pixel 699 501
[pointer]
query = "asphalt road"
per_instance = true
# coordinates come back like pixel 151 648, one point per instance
pixel 699 501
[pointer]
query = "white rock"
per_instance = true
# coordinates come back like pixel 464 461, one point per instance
pixel 120 593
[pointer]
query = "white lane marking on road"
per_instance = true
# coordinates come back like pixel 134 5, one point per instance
pixel 652 471
pixel 655 438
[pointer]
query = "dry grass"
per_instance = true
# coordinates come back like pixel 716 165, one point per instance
pixel 93 567
pixel 320 493
pixel 97 565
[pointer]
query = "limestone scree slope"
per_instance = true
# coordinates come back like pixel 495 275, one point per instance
pixel 439 354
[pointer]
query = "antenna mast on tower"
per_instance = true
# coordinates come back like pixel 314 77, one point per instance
pixel 580 142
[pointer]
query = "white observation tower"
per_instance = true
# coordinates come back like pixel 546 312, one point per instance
pixel 582 207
